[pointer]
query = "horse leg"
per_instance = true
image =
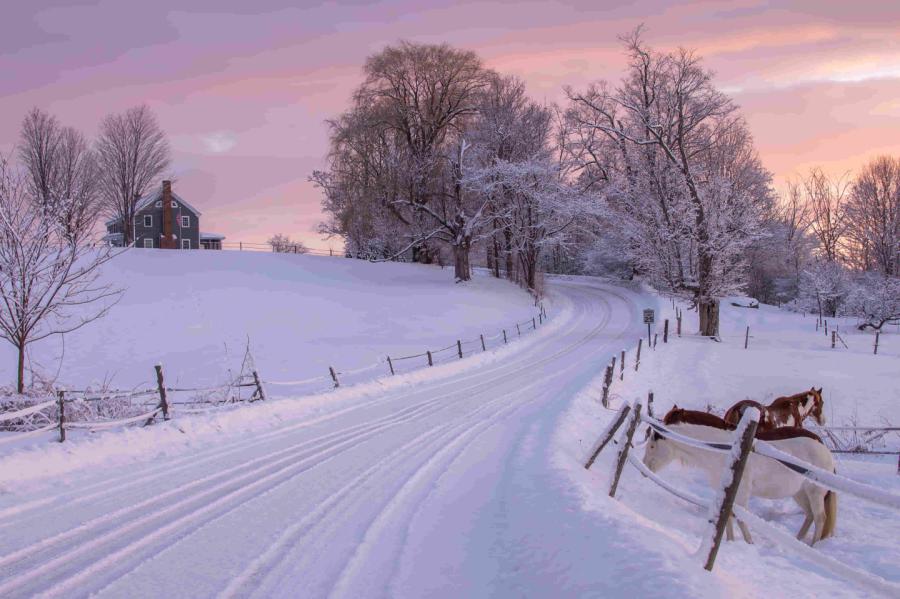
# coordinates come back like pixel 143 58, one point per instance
pixel 816 498
pixel 742 499
pixel 745 531
pixel 803 502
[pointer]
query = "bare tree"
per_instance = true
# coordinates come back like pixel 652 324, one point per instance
pixel 678 169
pixel 132 154
pixel 873 217
pixel 827 201
pixel 49 280
pixel 283 244
pixel 61 171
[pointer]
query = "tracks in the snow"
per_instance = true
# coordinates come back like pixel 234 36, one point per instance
pixel 95 553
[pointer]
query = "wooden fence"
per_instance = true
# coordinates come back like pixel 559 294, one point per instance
pixel 158 404
pixel 743 443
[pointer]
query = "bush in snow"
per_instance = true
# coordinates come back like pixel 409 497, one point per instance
pixel 283 244
pixel 823 288
pixel 874 299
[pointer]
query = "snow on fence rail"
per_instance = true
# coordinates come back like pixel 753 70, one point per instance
pixel 723 507
pixel 54 410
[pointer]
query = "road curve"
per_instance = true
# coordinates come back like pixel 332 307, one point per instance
pixel 435 490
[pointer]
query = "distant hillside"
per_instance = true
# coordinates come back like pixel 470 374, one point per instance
pixel 194 311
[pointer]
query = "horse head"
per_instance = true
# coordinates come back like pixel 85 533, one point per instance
pixel 658 452
pixel 818 408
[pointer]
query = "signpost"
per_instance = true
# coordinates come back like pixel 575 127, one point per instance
pixel 649 317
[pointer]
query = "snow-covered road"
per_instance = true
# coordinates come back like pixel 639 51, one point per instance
pixel 441 489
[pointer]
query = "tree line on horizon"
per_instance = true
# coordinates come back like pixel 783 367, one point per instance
pixel 657 176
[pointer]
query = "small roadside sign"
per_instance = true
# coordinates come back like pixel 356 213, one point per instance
pixel 649 316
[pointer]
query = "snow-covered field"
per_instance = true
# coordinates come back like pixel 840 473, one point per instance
pixel 194 311
pixel 464 480
pixel 786 355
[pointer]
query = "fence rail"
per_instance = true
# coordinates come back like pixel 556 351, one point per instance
pixel 166 406
pixel 723 508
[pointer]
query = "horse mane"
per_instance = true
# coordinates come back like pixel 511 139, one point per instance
pixel 682 416
pixel 787 432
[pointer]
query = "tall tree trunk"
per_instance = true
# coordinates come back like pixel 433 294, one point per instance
pixel 20 372
pixel 461 258
pixel 709 317
pixel 510 270
pixel 495 244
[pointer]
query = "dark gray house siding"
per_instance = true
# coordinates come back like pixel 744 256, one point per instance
pixel 148 225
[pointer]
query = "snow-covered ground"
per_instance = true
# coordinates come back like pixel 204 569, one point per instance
pixel 461 480
pixel 786 355
pixel 195 311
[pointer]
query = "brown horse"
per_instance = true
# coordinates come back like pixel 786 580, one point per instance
pixel 784 411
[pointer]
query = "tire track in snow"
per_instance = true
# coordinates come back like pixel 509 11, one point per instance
pixel 185 519
pixel 388 531
pixel 469 431
pixel 13 515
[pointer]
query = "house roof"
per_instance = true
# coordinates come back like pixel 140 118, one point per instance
pixel 156 195
pixel 151 197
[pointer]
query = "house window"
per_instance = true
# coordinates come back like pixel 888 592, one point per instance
pixel 148 220
pixel 185 244
pixel 148 242
pixel 174 204
pixel 185 221
pixel 158 203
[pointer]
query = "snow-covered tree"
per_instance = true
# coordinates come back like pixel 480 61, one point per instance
pixel 49 279
pixel 283 244
pixel 678 171
pixel 875 300
pixel 823 288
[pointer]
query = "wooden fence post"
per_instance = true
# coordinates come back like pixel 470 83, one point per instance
pixel 61 402
pixel 650 404
pixel 877 335
pixel 655 335
pixel 259 387
pixel 459 348
pixel 666 331
pixel 390 365
pixel 518 330
pixel 624 445
pixel 504 336
pixel 747 338
pixel 533 324
pixel 333 377
pixel 163 402
pixel 678 322
pixel 608 435
pixel 622 366
pixel 430 363
pixel 540 318
pixel 737 466
pixel 826 326
pixel 833 339
pixel 483 348
pixel 637 359
pixel 607 381
pixel 613 362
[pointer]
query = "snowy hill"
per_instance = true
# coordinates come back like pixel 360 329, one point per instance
pixel 194 311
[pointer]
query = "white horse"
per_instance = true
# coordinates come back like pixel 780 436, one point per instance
pixel 763 477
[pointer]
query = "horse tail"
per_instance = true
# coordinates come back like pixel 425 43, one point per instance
pixel 830 514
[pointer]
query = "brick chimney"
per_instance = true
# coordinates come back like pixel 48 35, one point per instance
pixel 168 229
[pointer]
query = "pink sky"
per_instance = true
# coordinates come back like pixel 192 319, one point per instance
pixel 242 88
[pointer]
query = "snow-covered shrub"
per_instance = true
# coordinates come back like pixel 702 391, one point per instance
pixel 875 300
pixel 823 288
